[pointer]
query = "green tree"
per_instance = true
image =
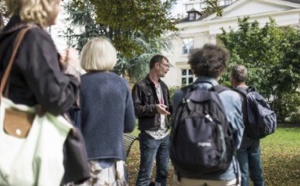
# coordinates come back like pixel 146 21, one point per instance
pixel 212 6
pixel 271 56
pixel 136 41
pixel 286 77
pixel 138 66
pixel 257 48
pixel 81 25
pixel 121 21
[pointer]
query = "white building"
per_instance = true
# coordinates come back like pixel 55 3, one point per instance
pixel 200 5
pixel 197 29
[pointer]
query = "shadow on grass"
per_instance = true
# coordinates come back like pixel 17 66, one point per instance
pixel 282 169
pixel 279 170
pixel 133 163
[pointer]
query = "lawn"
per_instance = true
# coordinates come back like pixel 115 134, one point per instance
pixel 281 157
pixel 280 153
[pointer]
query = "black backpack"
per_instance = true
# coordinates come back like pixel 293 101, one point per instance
pixel 260 118
pixel 201 138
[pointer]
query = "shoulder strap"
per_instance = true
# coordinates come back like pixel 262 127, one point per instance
pixel 188 87
pixel 218 88
pixel 242 92
pixel 250 89
pixel 17 43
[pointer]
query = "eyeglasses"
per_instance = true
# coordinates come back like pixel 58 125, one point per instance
pixel 166 65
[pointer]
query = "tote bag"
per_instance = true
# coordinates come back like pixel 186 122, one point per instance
pixel 35 158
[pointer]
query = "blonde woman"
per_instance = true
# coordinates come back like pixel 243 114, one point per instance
pixel 38 76
pixel 106 111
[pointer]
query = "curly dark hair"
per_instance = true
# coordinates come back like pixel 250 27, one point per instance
pixel 211 60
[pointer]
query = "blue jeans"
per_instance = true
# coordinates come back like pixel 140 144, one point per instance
pixel 249 159
pixel 150 149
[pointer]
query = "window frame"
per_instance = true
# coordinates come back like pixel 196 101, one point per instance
pixel 188 45
pixel 186 77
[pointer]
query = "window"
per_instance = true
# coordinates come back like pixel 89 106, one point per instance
pixel 227 2
pixel 192 16
pixel 187 77
pixel 188 45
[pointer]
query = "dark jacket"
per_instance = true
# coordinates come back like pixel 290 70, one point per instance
pixel 144 99
pixel 107 112
pixel 36 77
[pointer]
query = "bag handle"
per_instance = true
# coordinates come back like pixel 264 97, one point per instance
pixel 17 43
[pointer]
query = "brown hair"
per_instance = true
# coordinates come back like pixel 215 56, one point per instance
pixel 211 61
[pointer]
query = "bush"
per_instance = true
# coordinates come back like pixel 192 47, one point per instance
pixel 172 90
pixel 286 107
pixel 294 117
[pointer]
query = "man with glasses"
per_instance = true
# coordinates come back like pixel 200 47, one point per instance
pixel 152 106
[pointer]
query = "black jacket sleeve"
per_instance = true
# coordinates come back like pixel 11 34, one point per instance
pixel 54 90
pixel 141 107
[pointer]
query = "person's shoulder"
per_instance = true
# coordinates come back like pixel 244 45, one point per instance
pixel 115 77
pixel 83 76
pixel 37 33
pixel 163 83
pixel 141 82
pixel 37 36
pixel 230 94
pixel 178 92
pixel 90 77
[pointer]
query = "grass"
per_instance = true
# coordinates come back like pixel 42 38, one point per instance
pixel 280 154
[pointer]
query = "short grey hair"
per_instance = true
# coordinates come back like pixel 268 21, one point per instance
pixel 98 54
pixel 239 73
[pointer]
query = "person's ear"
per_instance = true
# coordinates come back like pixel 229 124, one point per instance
pixel 157 65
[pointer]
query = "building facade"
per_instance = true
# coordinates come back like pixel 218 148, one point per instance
pixel 199 29
pixel 200 5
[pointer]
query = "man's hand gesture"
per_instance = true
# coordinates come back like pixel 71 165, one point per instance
pixel 162 109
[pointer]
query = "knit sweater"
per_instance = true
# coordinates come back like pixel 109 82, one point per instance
pixel 107 112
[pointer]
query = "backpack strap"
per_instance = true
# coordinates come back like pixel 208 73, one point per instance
pixel 251 89
pixel 189 87
pixel 243 92
pixel 217 88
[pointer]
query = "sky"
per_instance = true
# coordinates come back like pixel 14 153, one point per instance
pixel 177 8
